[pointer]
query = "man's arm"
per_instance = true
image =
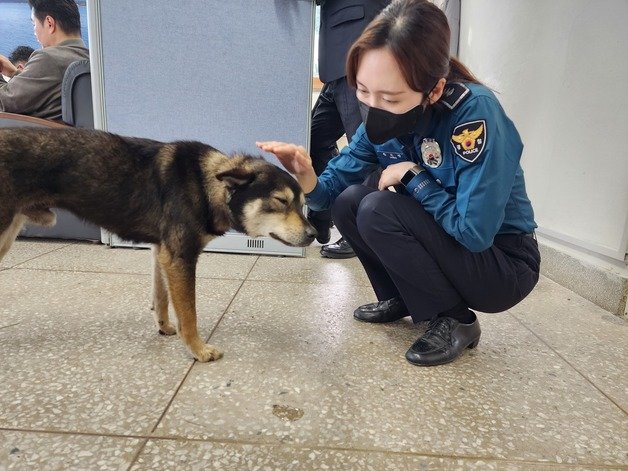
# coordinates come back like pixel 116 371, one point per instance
pixel 30 90
pixel 6 68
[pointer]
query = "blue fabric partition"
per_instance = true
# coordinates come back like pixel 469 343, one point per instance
pixel 225 72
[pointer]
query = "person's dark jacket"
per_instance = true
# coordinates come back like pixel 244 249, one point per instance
pixel 342 22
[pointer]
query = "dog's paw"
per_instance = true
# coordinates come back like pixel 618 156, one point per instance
pixel 207 353
pixel 167 329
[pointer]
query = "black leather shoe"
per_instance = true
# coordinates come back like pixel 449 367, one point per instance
pixel 383 311
pixel 339 249
pixel 323 229
pixel 444 341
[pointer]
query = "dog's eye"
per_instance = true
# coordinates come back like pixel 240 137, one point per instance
pixel 281 200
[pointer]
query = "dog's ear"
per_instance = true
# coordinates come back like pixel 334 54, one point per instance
pixel 236 177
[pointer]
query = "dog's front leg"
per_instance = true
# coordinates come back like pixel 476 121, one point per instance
pixel 160 296
pixel 182 287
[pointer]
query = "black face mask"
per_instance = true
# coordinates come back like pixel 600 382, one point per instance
pixel 382 125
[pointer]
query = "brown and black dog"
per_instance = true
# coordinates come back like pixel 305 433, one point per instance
pixel 177 196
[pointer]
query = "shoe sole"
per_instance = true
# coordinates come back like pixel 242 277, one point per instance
pixel 378 322
pixel 472 345
pixel 334 255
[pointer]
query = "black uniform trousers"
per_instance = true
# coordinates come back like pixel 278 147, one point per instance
pixel 336 112
pixel 406 253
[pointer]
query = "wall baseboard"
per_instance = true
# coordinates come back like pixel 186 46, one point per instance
pixel 599 282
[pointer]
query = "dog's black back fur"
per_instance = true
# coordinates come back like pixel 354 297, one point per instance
pixel 124 193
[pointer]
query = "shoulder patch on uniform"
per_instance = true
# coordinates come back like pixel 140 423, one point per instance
pixel 469 139
pixel 454 94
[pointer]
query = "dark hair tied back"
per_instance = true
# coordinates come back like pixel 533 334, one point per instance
pixel 417 34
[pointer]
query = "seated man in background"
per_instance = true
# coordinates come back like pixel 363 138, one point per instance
pixel 20 55
pixel 36 90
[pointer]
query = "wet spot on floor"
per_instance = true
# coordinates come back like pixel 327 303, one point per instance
pixel 287 413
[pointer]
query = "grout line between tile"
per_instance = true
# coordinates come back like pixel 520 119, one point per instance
pixel 139 451
pixel 10 325
pixel 42 254
pixel 293 282
pixel 246 278
pixel 227 441
pixel 65 270
pixel 568 363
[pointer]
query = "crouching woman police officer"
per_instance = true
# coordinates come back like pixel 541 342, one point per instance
pixel 458 232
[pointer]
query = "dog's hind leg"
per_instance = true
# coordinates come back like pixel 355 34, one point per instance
pixel 41 216
pixel 10 232
pixel 182 287
pixel 160 296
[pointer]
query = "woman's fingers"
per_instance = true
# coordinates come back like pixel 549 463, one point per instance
pixel 267 145
pixel 294 158
pixel 280 149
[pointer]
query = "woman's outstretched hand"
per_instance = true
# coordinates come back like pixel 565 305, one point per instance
pixel 295 160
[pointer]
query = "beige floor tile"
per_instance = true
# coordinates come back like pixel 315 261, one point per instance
pixel 301 371
pixel 23 250
pixel 591 339
pixel 101 258
pixel 30 451
pixel 80 351
pixel 190 455
pixel 312 269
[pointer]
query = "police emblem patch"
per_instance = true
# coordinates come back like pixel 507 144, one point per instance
pixel 469 139
pixel 431 154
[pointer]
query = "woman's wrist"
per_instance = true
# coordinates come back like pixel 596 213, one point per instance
pixel 308 181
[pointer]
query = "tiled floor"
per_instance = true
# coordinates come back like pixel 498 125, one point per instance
pixel 87 383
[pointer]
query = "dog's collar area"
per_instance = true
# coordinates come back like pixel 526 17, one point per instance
pixel 276 237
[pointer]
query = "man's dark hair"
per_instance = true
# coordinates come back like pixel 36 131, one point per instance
pixel 65 13
pixel 21 53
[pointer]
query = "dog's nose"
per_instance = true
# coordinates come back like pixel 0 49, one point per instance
pixel 311 232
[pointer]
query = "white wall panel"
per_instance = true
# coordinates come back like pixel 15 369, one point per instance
pixel 560 69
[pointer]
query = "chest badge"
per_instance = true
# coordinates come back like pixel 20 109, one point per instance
pixel 431 154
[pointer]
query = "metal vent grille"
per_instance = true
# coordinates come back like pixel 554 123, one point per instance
pixel 255 243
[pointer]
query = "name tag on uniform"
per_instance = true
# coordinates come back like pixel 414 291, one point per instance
pixel 392 155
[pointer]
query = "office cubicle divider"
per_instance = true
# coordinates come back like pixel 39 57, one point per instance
pixel 224 73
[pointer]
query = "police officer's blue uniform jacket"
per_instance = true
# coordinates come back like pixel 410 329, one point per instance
pixel 473 185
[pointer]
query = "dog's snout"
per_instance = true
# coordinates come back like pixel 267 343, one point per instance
pixel 311 232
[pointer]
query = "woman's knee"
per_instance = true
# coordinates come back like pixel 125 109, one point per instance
pixel 347 202
pixel 375 211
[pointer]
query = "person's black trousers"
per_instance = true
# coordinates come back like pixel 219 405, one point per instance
pixel 406 253
pixel 336 112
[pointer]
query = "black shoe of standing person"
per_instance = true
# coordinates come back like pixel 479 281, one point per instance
pixel 323 228
pixel 339 249
pixel 444 341
pixel 383 311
